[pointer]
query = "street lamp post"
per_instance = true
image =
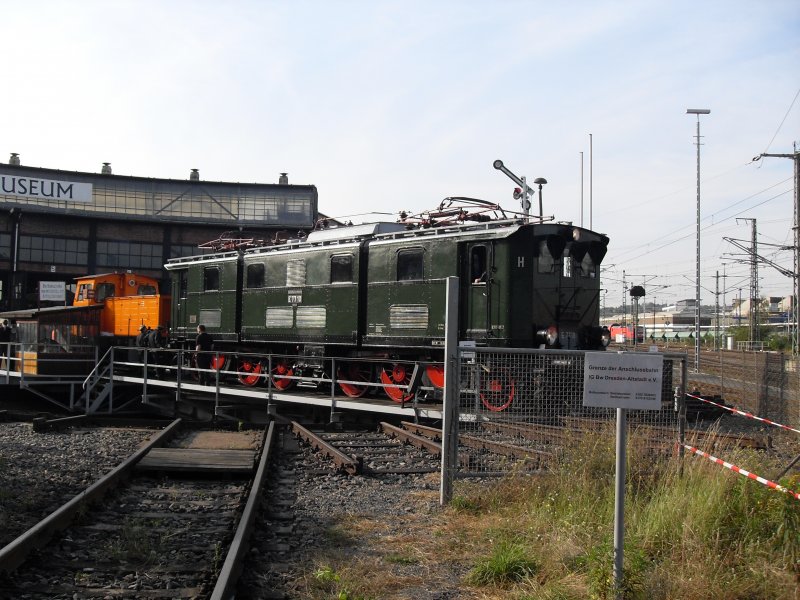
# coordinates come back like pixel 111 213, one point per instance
pixel 698 112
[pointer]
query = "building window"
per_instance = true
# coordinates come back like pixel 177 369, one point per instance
pixel 53 250
pixel 181 250
pixel 210 279
pixel 342 269
pixel 5 245
pixel 255 275
pixel 129 255
pixel 409 265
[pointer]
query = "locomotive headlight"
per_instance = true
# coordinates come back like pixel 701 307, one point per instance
pixel 576 235
pixel 549 335
pixel 605 337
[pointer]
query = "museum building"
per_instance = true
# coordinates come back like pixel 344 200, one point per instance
pixel 57 225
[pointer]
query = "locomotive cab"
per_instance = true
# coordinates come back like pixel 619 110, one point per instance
pixel 129 301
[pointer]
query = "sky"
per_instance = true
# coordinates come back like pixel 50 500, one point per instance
pixel 395 105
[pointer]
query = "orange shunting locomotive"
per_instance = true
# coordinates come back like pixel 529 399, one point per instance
pixel 129 301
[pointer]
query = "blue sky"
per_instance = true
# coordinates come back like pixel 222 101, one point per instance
pixel 396 105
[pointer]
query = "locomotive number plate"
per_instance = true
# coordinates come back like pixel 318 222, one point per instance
pixel 295 296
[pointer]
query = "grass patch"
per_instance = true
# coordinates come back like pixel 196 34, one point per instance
pixel 136 543
pixel 696 533
pixel 508 563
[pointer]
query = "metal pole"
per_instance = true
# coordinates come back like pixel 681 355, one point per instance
pixel 697 266
pixel 619 503
pixel 795 309
pixel 451 393
pixel 590 181
pixel 795 313
pixel 716 315
pixel 581 189
pixel 697 112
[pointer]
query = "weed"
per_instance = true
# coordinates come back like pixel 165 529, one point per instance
pixel 135 544
pixel 464 504
pixel 508 563
pixel 217 556
pixel 326 575
pixel 600 563
pixel 332 584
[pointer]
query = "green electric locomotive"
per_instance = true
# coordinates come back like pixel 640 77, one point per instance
pixel 373 297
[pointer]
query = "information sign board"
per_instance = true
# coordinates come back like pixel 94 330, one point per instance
pixel 623 380
pixel 52 291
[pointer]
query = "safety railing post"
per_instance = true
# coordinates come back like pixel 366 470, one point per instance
pixel 144 375
pixel 334 418
pixel 451 393
pixel 178 377
pixel 269 384
pixel 111 381
pixel 216 383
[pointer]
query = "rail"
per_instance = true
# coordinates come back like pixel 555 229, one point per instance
pixel 15 553
pixel 231 568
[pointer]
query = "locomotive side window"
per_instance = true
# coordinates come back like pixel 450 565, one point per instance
pixel 146 290
pixel 409 265
pixel 183 284
pixel 546 262
pixel 477 264
pixel 255 275
pixel 342 269
pixel 85 291
pixel 210 279
pixel 588 268
pixel 105 290
pixel 567 266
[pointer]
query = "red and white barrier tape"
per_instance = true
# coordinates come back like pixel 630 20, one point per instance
pixel 745 414
pixel 736 469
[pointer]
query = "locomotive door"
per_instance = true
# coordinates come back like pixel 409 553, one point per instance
pixel 182 293
pixel 476 290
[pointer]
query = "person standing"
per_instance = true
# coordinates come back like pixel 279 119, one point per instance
pixel 203 345
pixel 156 340
pixel 141 339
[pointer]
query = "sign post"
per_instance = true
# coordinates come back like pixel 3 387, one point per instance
pixel 52 291
pixel 622 381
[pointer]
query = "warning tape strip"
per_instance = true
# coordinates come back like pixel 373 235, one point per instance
pixel 744 414
pixel 741 471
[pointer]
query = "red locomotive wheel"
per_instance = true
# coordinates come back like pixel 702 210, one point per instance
pixel 497 389
pixel 281 371
pixel 354 371
pixel 436 375
pixel 397 374
pixel 249 371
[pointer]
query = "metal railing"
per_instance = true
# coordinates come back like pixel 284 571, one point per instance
pixel 267 377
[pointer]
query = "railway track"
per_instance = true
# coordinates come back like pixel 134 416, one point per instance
pixel 389 450
pixel 174 526
pixel 490 445
pixel 318 476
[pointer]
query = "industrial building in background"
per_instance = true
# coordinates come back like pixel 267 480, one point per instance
pixel 58 225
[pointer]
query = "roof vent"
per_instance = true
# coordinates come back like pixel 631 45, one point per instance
pixel 14 160
pixel 194 175
pixel 283 179
pixel 106 170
